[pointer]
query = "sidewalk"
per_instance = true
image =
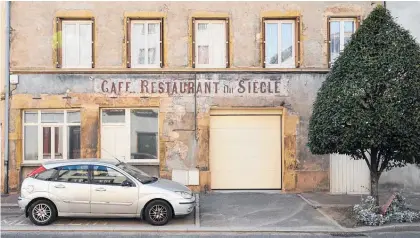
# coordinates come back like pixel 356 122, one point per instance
pixel 237 213
pixel 9 200
pixel 345 200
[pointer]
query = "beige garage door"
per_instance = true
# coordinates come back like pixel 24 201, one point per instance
pixel 245 151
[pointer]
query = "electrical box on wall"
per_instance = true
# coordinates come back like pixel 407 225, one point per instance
pixel 14 79
pixel 186 177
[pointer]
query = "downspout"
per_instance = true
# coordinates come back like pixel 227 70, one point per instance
pixel 195 106
pixel 7 80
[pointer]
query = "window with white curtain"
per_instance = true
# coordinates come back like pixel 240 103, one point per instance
pixel 145 43
pixel 77 44
pixel 279 43
pixel 340 30
pixel 130 134
pixel 210 44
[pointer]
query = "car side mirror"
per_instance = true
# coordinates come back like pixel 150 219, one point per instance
pixel 127 183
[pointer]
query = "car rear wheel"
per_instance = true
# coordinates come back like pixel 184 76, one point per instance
pixel 42 212
pixel 158 213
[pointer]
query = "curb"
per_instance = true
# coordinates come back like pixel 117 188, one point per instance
pixel 8 205
pixel 170 230
pixel 215 230
pixel 389 228
pixel 311 203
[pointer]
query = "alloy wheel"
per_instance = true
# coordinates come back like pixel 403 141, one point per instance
pixel 158 213
pixel 42 212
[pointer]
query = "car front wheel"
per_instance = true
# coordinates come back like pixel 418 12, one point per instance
pixel 42 212
pixel 158 213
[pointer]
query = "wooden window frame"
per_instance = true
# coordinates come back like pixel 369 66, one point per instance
pixel 296 19
pixel 357 20
pixel 59 28
pixel 227 28
pixel 128 38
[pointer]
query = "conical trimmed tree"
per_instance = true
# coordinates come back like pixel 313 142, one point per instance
pixel 369 105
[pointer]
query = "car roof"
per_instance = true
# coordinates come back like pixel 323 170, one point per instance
pixel 56 163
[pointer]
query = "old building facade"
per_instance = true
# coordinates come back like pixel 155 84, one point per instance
pixel 214 95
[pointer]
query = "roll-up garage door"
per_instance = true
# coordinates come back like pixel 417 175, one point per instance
pixel 245 149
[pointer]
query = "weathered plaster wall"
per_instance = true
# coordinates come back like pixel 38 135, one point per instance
pixel 32 23
pixel 295 92
pixel 407 15
pixel 32 48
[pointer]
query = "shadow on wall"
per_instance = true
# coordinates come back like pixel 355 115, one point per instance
pixel 407 177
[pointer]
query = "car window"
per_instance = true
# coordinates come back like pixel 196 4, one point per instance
pixel 73 174
pixel 47 175
pixel 107 176
pixel 135 172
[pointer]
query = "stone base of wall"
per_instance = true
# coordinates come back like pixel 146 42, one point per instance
pixel 311 181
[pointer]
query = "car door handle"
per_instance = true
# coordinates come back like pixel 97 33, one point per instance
pixel 100 189
pixel 59 186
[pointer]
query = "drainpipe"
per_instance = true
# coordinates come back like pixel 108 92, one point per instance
pixel 7 79
pixel 195 106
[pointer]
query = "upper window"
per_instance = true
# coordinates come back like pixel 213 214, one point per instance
pixel 280 43
pixel 210 43
pixel 340 32
pixel 130 134
pixel 51 134
pixel 144 43
pixel 76 43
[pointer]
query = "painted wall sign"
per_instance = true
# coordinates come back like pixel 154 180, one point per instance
pixel 201 87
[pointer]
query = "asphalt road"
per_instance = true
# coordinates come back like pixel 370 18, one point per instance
pixel 35 234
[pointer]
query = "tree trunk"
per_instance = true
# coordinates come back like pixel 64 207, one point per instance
pixel 374 186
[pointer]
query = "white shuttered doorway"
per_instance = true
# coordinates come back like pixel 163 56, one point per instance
pixel 348 176
pixel 245 149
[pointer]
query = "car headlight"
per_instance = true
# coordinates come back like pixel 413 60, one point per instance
pixel 186 195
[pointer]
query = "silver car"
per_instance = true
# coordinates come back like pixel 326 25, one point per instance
pixel 101 188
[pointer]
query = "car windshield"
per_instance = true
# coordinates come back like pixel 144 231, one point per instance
pixel 136 173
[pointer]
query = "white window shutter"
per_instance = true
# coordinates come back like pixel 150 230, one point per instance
pixel 218 51
pixel 70 44
pixel 202 42
pixel 77 44
pixel 153 44
pixel 145 44
pixel 210 44
pixel 138 44
pixel 85 45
